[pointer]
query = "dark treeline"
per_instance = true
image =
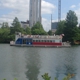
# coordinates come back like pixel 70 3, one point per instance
pixel 7 33
pixel 68 27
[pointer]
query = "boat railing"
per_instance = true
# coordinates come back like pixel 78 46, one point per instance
pixel 41 36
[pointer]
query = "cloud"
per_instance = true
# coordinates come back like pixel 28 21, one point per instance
pixel 47 8
pixel 73 6
pixel 78 14
pixel 20 9
pixel 47 24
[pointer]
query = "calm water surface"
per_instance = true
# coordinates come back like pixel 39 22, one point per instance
pixel 26 63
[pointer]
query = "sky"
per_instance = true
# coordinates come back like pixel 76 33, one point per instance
pixel 9 9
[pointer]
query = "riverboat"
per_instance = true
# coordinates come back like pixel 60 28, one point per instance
pixel 38 41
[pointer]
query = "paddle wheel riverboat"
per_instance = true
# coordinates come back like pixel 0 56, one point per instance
pixel 37 40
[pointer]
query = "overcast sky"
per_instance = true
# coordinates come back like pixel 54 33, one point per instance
pixel 9 9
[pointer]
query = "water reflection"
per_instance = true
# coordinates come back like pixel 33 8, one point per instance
pixel 66 64
pixel 70 63
pixel 15 64
pixel 32 64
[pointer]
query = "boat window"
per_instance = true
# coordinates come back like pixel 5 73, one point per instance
pixel 60 41
pixel 42 41
pixel 33 40
pixel 53 40
pixel 30 40
pixel 50 40
pixel 27 40
pixel 57 40
pixel 47 40
pixel 36 40
pixel 24 41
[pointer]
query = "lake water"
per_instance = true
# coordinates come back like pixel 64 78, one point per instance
pixel 29 63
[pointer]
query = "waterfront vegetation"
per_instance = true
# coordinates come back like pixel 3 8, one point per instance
pixel 69 27
pixel 47 77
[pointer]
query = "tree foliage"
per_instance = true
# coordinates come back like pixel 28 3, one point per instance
pixel 7 33
pixel 16 27
pixel 28 30
pixel 61 26
pixel 71 19
pixel 4 32
pixel 5 25
pixel 46 76
pixel 37 29
pixel 71 27
pixel 68 27
pixel 50 32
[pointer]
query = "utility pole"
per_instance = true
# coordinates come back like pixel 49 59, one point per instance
pixel 51 21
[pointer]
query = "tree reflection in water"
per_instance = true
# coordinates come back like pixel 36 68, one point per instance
pixel 70 64
pixel 32 64
pixel 66 64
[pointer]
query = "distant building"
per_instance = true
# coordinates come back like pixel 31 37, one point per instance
pixel 34 12
pixel 24 24
pixel 54 26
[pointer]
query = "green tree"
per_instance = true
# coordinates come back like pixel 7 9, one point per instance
pixel 37 29
pixel 71 19
pixel 46 76
pixel 16 27
pixel 79 26
pixel 5 25
pixel 71 24
pixel 61 26
pixel 76 34
pixel 28 30
pixel 50 32
pixel 4 33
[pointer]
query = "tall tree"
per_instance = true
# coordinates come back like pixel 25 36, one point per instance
pixel 37 29
pixel 71 19
pixel 16 27
pixel 61 26
pixel 71 25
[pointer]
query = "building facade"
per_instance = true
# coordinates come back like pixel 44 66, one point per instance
pixel 54 26
pixel 35 12
pixel 24 24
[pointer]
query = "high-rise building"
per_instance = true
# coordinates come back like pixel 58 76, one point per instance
pixel 35 12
